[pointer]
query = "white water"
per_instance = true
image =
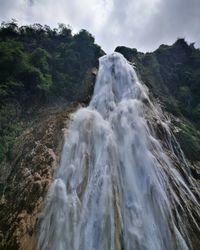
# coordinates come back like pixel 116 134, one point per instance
pixel 111 190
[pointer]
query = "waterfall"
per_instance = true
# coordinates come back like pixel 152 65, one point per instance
pixel 113 189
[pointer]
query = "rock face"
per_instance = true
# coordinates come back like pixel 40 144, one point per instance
pixel 35 157
pixel 29 172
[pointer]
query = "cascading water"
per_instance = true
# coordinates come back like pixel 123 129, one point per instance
pixel 112 190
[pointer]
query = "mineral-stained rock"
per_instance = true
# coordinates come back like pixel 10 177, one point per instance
pixel 35 158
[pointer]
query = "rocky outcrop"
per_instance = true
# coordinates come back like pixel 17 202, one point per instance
pixel 34 161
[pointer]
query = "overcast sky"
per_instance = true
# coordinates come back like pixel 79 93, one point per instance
pixel 141 24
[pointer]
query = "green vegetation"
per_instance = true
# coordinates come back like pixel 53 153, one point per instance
pixel 40 65
pixel 10 127
pixel 189 138
pixel 37 61
pixel 173 74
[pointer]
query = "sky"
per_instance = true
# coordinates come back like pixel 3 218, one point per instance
pixel 141 24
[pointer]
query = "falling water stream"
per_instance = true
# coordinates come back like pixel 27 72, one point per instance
pixel 112 190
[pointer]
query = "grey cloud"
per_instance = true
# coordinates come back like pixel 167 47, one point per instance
pixel 5 9
pixel 31 2
pixel 179 18
pixel 144 24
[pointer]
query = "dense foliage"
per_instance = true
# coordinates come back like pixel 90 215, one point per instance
pixel 173 74
pixel 40 65
pixel 37 61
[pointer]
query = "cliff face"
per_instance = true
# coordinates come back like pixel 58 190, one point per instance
pixel 33 116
